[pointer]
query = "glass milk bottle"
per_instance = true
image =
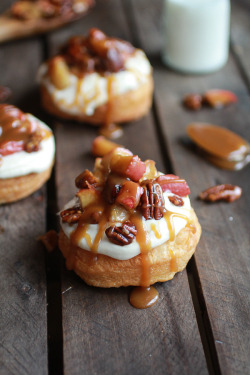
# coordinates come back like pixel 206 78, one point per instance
pixel 196 34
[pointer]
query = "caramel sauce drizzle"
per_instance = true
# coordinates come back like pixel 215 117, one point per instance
pixel 16 126
pixel 173 263
pixel 83 225
pixel 156 233
pixel 168 216
pixel 143 239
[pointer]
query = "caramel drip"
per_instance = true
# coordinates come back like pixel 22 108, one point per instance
pixel 88 240
pixel 99 235
pixel 168 216
pixel 173 263
pixel 144 242
pixel 143 297
pixel 16 127
pixel 156 233
pixel 82 227
pixel 79 232
pixel 109 129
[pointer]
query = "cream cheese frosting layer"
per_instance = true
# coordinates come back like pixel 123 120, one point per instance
pixel 157 230
pixel 84 95
pixel 23 163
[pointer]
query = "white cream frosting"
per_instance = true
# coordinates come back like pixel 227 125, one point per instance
pixel 84 95
pixel 129 251
pixel 23 163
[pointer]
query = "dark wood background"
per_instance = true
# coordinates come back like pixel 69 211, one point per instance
pixel 51 322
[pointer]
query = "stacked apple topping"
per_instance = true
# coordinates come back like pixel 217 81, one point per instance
pixel 94 53
pixel 19 131
pixel 35 9
pixel 122 190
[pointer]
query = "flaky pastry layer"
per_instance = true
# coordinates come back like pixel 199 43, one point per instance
pixel 163 261
pixel 16 188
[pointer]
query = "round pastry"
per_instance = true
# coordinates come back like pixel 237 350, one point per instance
pixel 128 224
pixel 27 149
pixel 97 79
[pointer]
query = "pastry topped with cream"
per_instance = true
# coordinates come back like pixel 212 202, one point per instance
pixel 128 223
pixel 27 151
pixel 97 79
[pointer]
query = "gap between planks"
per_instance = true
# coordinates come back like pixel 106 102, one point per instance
pixel 53 270
pixel 199 304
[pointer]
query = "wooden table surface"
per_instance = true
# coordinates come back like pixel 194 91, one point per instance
pixel 51 321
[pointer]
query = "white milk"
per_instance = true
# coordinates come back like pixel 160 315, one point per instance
pixel 196 34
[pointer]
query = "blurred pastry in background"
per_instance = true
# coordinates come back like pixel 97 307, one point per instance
pixel 29 17
pixel 27 149
pixel 97 79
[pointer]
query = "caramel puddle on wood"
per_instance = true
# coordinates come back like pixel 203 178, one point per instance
pixel 220 146
pixel 143 297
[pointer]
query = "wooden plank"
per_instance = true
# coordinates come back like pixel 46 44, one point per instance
pixel 240 32
pixel 102 332
pixel 223 255
pixel 23 322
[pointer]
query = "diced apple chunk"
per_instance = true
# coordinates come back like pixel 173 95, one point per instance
pixel 151 171
pixel 88 196
pixel 173 184
pixel 115 154
pixel 102 146
pixel 118 213
pixel 129 195
pixel 59 73
pixel 128 166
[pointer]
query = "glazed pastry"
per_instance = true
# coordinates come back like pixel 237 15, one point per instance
pixel 27 151
pixel 97 79
pixel 128 223
pixel 29 17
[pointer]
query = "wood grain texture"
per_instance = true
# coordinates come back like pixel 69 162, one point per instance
pixel 23 322
pixel 223 254
pixel 240 34
pixel 103 334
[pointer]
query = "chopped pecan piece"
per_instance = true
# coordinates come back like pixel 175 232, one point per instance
pixel 85 179
pixel 177 201
pixel 226 192
pixel 71 215
pixel 193 101
pixel 123 235
pixel 152 200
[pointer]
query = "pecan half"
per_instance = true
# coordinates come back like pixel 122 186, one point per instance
pixel 152 200
pixel 193 101
pixel 71 215
pixel 123 235
pixel 177 201
pixel 226 192
pixel 85 179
